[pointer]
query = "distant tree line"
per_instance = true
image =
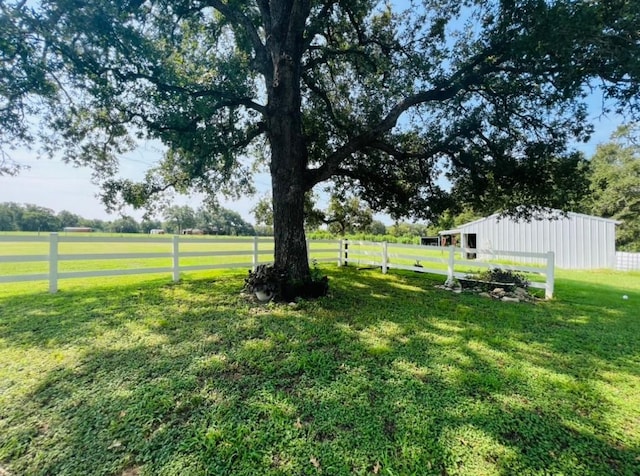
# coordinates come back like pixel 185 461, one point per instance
pixel 29 217
pixel 176 219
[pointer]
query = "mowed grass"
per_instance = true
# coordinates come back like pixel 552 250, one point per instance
pixel 387 375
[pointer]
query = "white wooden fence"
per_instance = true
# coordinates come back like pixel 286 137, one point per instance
pixel 250 252
pixel 626 261
pixel 237 252
pixel 448 261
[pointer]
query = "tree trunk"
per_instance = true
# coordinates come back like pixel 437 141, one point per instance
pixel 288 163
pixel 288 154
pixel 288 226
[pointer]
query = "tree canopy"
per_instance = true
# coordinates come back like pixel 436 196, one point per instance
pixel 384 102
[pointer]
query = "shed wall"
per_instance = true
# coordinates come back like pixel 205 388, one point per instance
pixel 578 241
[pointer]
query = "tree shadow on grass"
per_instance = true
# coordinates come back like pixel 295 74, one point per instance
pixel 67 317
pixel 387 373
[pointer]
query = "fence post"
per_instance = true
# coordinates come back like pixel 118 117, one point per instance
pixel 451 264
pixel 53 263
pixel 385 257
pixel 340 248
pixel 255 252
pixel 176 259
pixel 346 252
pixel 548 292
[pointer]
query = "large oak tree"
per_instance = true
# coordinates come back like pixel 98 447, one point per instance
pixel 384 99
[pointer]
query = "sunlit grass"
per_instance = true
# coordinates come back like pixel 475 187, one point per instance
pixel 387 375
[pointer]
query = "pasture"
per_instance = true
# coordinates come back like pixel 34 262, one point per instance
pixel 136 375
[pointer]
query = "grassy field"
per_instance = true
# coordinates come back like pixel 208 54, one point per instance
pixel 388 375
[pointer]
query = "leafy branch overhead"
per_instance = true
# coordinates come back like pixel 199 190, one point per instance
pixel 386 103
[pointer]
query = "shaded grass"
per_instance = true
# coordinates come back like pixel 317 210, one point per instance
pixel 386 376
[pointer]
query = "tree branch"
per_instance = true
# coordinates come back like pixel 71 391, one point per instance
pixel 357 143
pixel 315 25
pixel 324 97
pixel 470 74
pixel 230 100
pixel 234 15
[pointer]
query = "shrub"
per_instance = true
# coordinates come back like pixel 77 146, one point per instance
pixel 502 276
pixel 277 283
pixel 265 278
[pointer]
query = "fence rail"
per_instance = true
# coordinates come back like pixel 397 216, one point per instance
pixel 231 252
pixel 250 252
pixel 447 261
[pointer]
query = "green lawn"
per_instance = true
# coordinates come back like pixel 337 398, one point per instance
pixel 388 375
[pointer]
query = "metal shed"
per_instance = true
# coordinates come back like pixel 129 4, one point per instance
pixel 578 241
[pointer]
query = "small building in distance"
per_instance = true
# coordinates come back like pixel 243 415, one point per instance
pixel 77 229
pixel 192 231
pixel 578 241
pixel 430 240
pixel 156 231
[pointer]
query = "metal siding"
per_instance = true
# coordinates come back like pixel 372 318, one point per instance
pixel 546 237
pixel 592 257
pixel 558 245
pixel 518 232
pixel 567 242
pixel 577 250
pixel 577 247
pixel 574 239
pixel 488 234
pixel 528 232
pixel 599 245
pixel 608 244
pixel 578 241
pixel 576 230
pixel 611 247
pixel 587 243
pixel 603 243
